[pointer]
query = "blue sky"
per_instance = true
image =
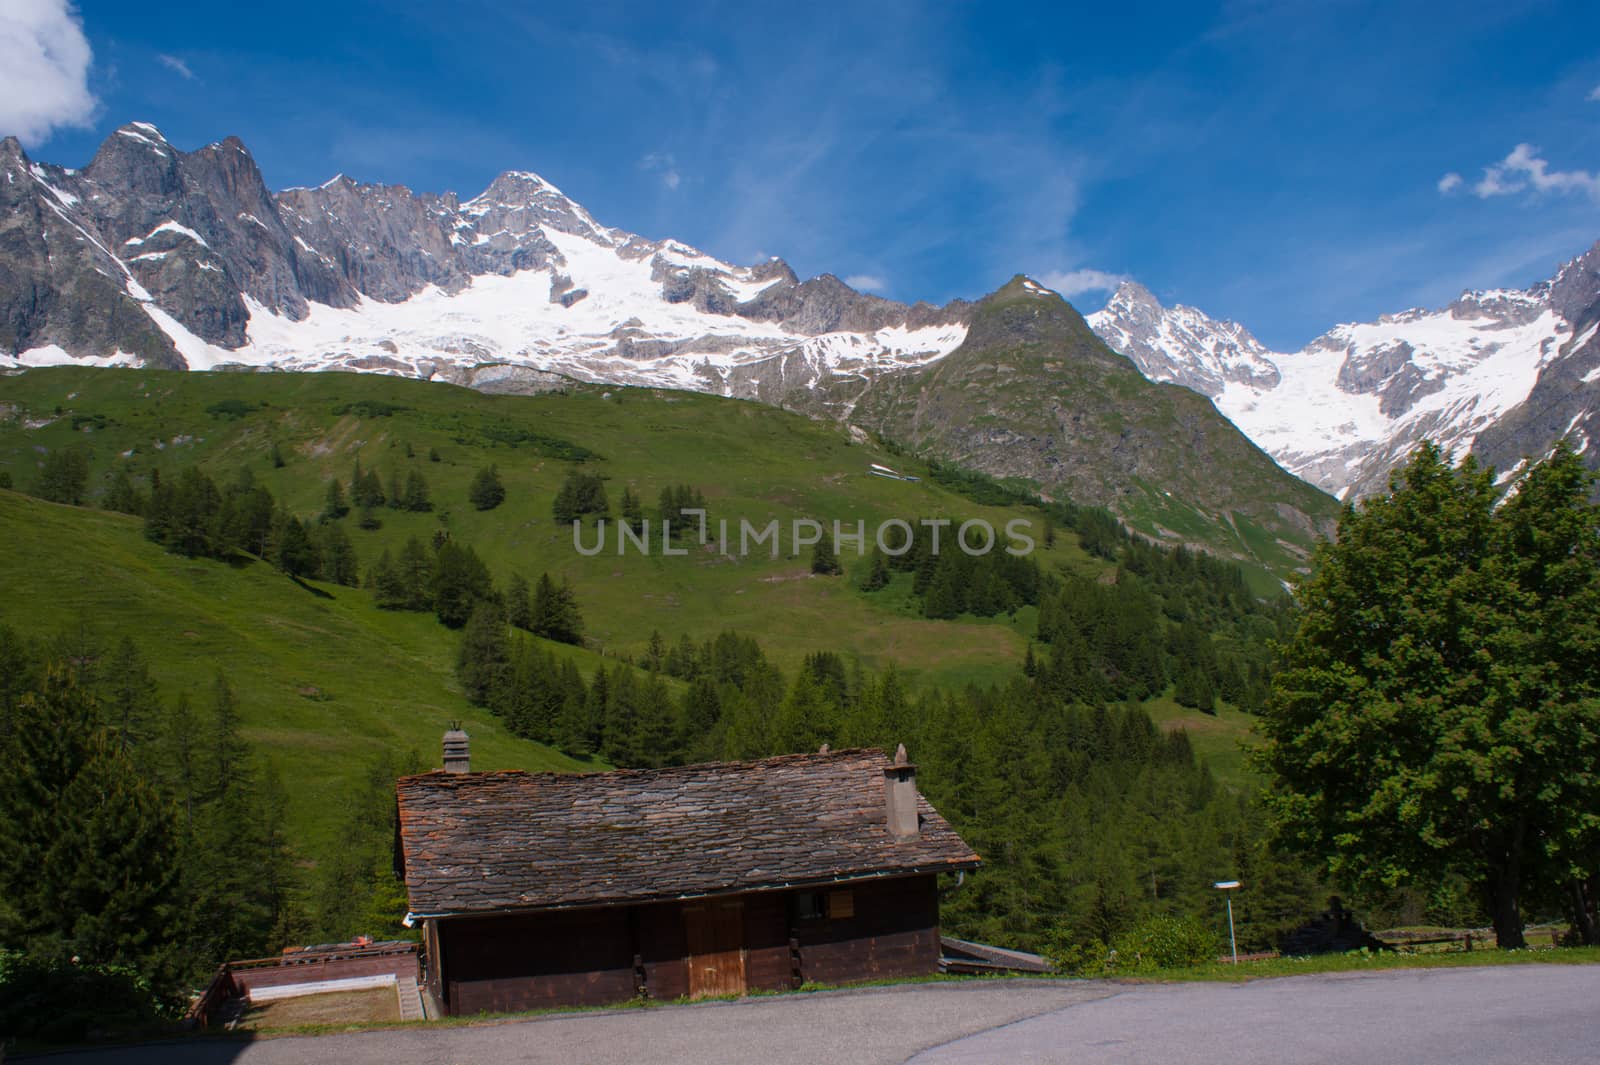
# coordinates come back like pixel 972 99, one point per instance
pixel 1284 164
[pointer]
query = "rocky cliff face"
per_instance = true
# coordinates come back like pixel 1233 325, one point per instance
pixel 1489 373
pixel 1565 400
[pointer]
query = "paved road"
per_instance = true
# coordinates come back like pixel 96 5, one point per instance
pixel 1544 1014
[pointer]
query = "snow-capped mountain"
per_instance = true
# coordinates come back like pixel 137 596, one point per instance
pixel 154 255
pixel 1352 404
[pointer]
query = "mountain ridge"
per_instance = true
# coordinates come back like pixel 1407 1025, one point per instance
pixel 190 262
pixel 1493 372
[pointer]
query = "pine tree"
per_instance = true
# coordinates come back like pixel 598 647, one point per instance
pixel 945 597
pixel 131 705
pixel 114 870
pixel 121 496
pixel 388 589
pixel 555 612
pixel 414 570
pixel 877 575
pixel 632 510
pixel 334 507
pixel 416 493
pixel 486 490
pixel 565 507
pixel 277 457
pixel 460 581
pixel 90 850
pixel 823 559
pixel 484 658
pixel 296 554
pixel 657 733
pixel 519 603
pixel 339 564
pixel 620 745
pixel 228 751
pixel 65 476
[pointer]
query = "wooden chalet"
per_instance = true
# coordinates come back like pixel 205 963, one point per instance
pixel 547 889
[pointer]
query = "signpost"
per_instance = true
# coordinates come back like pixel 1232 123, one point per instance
pixel 1226 886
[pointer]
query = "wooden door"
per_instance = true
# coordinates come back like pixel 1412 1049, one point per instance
pixel 714 930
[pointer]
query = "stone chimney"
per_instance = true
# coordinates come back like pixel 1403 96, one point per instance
pixel 457 755
pixel 900 796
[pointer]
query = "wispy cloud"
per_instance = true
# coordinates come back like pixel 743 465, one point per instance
pixel 1450 182
pixel 866 282
pixel 176 65
pixel 1073 283
pixel 666 165
pixel 1594 95
pixel 44 69
pixel 1524 170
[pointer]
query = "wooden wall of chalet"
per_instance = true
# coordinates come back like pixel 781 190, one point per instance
pixel 586 957
pixel 894 931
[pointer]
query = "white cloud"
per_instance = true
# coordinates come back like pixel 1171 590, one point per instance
pixel 173 63
pixel 1594 95
pixel 1072 283
pixel 44 69
pixel 666 165
pixel 866 282
pixel 1450 182
pixel 1523 169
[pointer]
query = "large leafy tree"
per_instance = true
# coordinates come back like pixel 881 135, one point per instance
pixel 1438 714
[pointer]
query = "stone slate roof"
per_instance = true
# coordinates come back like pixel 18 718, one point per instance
pixel 482 842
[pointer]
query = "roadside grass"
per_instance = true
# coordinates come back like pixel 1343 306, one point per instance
pixel 1364 961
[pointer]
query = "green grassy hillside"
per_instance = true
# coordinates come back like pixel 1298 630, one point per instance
pixel 751 461
pixel 325 679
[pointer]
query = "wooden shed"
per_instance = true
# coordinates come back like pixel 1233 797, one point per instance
pixel 545 889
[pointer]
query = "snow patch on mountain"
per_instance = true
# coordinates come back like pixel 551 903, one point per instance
pixel 1353 403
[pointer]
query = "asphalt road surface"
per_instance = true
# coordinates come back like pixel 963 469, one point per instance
pixel 1544 1014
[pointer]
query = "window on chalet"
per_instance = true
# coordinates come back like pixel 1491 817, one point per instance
pixel 817 905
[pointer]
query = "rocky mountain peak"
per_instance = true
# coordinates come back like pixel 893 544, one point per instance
pixel 1576 287
pixel 774 269
pixel 1130 294
pixel 1180 344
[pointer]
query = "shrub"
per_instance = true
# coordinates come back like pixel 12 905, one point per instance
pixel 60 1001
pixel 1165 942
